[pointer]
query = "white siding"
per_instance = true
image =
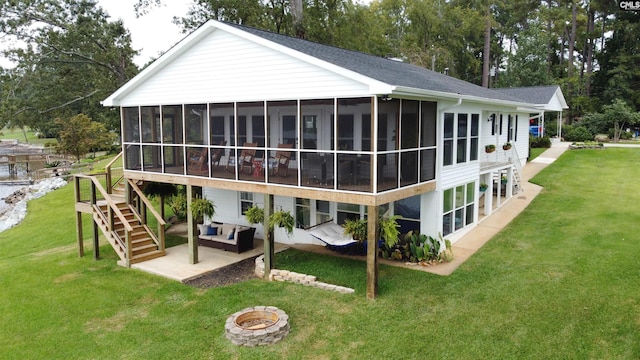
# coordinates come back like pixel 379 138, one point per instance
pixel 226 202
pixel 459 174
pixel 228 211
pixel 223 67
pixel 522 143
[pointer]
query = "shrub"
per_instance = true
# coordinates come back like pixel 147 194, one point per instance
pixel 418 248
pixel 178 204
pixel 578 133
pixel 540 142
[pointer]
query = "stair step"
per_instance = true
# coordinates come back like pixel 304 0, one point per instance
pixel 142 242
pixel 143 246
pixel 139 250
pixel 147 256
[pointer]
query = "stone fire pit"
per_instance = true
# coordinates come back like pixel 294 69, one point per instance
pixel 258 325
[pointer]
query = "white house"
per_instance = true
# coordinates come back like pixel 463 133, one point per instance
pixel 544 99
pixel 328 133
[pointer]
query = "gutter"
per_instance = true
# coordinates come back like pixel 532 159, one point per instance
pixel 451 106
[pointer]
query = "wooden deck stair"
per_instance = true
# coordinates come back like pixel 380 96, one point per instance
pixel 143 246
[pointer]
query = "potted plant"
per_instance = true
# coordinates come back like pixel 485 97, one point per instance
pixel 483 187
pixel 387 227
pixel 506 146
pixel 254 215
pixel 490 148
pixel 199 209
pixel 356 228
pixel 503 180
pixel 281 218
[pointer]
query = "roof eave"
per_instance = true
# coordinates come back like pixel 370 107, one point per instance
pixel 406 91
pixel 375 86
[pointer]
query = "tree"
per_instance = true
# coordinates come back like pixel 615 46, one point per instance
pixel 73 57
pixel 526 64
pixel 78 135
pixel 617 116
pixel 620 115
pixel 619 74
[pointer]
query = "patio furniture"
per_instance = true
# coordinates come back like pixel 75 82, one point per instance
pixel 229 237
pixel 197 159
pixel 282 159
pixel 331 234
pixel 247 156
pixel 217 153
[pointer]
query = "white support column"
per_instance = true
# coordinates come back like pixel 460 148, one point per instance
pixel 191 238
pixel 488 195
pixel 509 187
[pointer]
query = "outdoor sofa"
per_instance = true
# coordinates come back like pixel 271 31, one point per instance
pixel 229 237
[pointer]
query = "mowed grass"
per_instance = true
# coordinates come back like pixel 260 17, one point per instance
pixel 16 133
pixel 560 282
pixel 535 152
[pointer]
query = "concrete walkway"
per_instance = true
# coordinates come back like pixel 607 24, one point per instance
pixel 499 218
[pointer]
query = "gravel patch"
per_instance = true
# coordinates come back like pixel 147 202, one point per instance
pixel 228 275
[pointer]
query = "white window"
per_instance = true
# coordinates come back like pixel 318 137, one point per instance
pixel 461 130
pixel 303 213
pixel 458 208
pixel 246 201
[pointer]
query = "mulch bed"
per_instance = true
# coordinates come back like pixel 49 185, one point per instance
pixel 228 275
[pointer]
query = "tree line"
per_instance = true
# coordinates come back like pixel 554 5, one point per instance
pixel 71 54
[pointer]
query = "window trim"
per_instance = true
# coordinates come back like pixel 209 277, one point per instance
pixel 452 159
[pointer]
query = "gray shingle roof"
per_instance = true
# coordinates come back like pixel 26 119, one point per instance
pixel 385 70
pixel 532 94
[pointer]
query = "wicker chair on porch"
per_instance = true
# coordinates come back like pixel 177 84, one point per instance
pixel 282 158
pixel 216 155
pixel 247 156
pixel 197 159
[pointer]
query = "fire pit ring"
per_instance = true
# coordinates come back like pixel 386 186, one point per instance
pixel 258 325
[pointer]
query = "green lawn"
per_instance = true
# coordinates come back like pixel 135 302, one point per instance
pixel 17 134
pixel 560 282
pixel 535 152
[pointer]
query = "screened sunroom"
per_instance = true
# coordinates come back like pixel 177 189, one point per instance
pixel 333 144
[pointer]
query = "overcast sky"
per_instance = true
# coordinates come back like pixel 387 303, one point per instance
pixel 152 33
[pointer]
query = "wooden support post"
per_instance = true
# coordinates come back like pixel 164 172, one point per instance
pixel 76 190
pixel 372 251
pixel 79 233
pixel 96 242
pixel 269 244
pixel 193 243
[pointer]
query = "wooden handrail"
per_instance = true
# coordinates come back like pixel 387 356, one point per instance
pixel 107 170
pixel 160 239
pixel 110 164
pixel 104 218
pixel 110 202
pixel 146 201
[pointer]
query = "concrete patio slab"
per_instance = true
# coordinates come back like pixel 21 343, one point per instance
pixel 175 264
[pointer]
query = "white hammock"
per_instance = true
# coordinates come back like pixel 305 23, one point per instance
pixel 331 233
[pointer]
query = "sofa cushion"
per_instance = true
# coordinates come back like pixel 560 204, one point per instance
pixel 212 230
pixel 227 227
pixel 203 229
pixel 231 234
